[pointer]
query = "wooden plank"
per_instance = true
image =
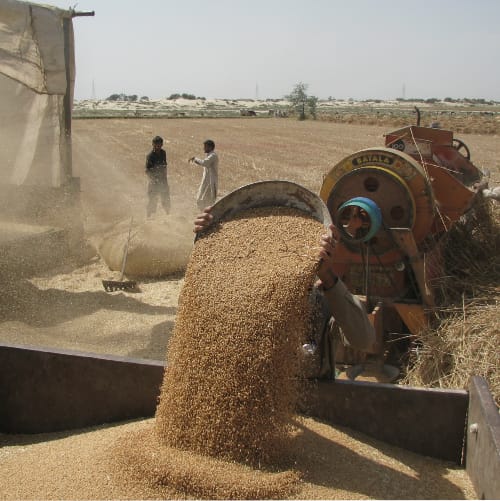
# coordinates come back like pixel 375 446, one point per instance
pixel 482 459
pixel 423 420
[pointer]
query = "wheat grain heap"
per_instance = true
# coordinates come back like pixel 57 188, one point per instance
pixel 231 384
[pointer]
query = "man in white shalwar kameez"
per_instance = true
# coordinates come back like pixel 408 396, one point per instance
pixel 207 193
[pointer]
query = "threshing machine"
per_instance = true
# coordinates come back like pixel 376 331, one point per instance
pixel 392 206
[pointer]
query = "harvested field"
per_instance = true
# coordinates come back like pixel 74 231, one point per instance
pixel 68 308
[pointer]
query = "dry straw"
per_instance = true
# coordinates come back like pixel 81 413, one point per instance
pixel 466 339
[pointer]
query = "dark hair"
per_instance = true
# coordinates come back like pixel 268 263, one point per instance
pixel 210 144
pixel 157 139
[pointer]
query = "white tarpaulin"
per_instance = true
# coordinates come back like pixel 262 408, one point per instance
pixel 36 88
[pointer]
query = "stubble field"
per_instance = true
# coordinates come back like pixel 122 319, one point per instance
pixel 67 307
pixel 109 156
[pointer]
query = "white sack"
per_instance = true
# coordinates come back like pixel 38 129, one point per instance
pixel 156 248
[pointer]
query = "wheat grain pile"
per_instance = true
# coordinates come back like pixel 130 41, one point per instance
pixel 231 385
pixel 334 463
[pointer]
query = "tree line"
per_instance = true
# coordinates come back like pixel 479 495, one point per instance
pixel 304 105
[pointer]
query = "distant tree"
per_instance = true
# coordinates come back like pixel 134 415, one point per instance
pixel 299 100
pixel 184 95
pixel 144 98
pixel 113 97
pixel 312 104
pixel 133 97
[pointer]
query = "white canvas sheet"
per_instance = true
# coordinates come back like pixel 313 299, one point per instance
pixel 34 146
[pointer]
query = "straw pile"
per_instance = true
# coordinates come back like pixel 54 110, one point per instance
pixel 224 421
pixel 466 340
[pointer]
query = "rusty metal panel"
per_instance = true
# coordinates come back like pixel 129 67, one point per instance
pixel 454 197
pixel 423 420
pixel 45 391
pixel 413 132
pixel 482 459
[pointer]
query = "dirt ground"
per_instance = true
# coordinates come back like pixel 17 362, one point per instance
pixel 68 308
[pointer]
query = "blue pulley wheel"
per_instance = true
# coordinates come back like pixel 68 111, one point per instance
pixel 359 219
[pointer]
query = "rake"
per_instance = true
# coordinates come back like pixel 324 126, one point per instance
pixel 121 285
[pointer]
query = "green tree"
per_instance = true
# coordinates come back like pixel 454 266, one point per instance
pixel 299 100
pixel 312 104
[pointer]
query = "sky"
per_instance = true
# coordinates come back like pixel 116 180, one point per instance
pixel 260 49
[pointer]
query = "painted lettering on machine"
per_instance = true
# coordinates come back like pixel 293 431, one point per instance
pixel 372 158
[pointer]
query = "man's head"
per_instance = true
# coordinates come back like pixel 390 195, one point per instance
pixel 157 143
pixel 209 146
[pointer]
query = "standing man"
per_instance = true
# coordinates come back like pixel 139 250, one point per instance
pixel 207 192
pixel 156 170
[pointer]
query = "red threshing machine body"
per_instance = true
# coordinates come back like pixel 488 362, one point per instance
pixel 392 205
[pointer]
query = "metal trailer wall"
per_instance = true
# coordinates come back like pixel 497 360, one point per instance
pixel 47 391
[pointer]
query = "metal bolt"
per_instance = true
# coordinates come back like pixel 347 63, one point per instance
pixel 473 428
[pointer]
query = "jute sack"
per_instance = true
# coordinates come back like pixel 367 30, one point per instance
pixel 156 248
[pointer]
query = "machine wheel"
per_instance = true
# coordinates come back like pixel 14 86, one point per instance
pixel 458 145
pixel 392 180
